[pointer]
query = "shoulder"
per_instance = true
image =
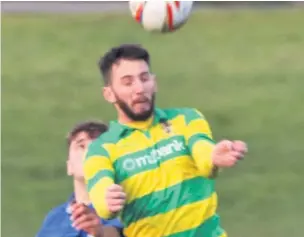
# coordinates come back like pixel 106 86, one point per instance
pixel 111 136
pixel 54 217
pixel 189 114
pixel 101 145
pixel 55 213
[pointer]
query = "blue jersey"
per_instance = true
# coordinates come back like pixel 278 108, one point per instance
pixel 57 223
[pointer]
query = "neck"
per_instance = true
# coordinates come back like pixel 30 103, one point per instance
pixel 137 124
pixel 81 194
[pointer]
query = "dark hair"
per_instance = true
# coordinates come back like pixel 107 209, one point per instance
pixel 93 128
pixel 125 51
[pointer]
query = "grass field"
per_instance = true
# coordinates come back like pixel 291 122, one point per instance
pixel 242 69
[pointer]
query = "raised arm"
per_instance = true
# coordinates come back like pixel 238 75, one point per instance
pixel 99 176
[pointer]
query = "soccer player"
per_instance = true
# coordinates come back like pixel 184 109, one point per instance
pixel 155 168
pixel 76 218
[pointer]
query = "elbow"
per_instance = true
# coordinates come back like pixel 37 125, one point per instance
pixel 102 210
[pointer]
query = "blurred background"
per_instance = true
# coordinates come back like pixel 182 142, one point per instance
pixel 240 63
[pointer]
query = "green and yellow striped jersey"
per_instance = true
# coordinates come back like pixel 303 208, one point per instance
pixel 164 166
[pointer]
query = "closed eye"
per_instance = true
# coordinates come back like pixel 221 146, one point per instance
pixel 145 76
pixel 127 80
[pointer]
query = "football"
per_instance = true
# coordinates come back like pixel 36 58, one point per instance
pixel 159 15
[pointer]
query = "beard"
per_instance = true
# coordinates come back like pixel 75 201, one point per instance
pixel 136 116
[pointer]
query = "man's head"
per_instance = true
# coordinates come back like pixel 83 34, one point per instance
pixel 129 84
pixel 78 140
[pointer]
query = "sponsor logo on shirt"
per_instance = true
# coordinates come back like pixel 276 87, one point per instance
pixel 154 155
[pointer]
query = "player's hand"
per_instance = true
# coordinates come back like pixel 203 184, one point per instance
pixel 228 153
pixel 115 198
pixel 86 219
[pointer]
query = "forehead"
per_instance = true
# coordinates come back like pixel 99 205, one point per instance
pixel 129 68
pixel 81 137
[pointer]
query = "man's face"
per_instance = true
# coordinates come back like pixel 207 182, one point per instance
pixel 77 150
pixel 132 89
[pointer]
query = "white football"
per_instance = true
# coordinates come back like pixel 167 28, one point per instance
pixel 161 15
